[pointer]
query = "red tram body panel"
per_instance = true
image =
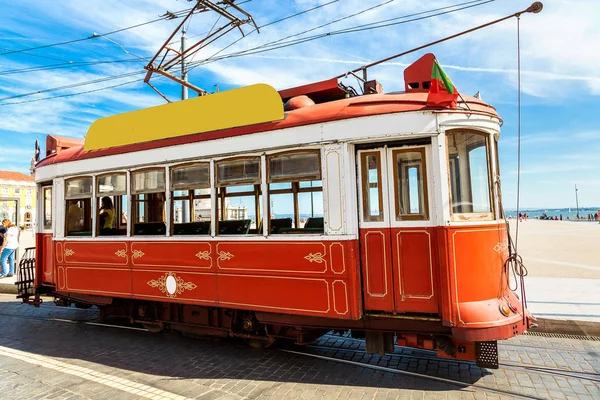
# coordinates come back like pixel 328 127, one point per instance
pixel 406 235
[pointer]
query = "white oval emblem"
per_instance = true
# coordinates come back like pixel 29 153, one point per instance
pixel 171 284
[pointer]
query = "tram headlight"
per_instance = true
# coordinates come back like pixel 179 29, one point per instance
pixel 504 310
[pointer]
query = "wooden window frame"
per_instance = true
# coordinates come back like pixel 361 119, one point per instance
pixel 471 216
pixel 118 207
pixel 365 184
pixel 134 201
pixel 44 189
pixel 253 181
pixel 295 188
pixel 79 198
pixel 191 196
pixel 411 217
pixel 306 177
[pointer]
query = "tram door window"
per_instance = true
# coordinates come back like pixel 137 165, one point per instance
pixel 79 206
pixel 410 184
pixel 394 220
pixel 148 202
pixel 295 193
pixel 47 207
pixel 190 190
pixel 111 203
pixel 238 196
pixel 468 166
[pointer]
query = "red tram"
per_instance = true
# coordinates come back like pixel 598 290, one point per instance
pixel 375 213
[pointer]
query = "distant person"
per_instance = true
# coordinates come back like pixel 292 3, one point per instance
pixel 107 215
pixel 10 245
pixel 561 217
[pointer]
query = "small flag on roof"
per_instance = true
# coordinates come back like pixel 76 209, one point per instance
pixel 442 92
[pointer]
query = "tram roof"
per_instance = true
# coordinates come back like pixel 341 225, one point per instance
pixel 353 107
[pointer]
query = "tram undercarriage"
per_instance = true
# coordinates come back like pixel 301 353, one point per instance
pixel 381 332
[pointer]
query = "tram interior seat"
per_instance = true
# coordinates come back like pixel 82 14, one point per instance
pixel 192 228
pixel 149 228
pixel 234 227
pixel 312 225
pixel 109 232
pixel 280 223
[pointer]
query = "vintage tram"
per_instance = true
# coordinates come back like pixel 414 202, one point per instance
pixel 377 214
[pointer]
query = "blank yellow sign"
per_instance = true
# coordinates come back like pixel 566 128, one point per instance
pixel 232 108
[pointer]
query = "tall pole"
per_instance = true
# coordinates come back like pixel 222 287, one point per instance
pixel 184 89
pixel 576 201
pixel 187 213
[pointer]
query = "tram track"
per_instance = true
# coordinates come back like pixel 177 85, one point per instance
pixel 428 355
pixel 404 353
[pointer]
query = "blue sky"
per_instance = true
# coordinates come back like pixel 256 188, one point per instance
pixel 561 87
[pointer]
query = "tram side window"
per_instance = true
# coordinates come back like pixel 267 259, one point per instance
pixel 47 193
pixel 238 196
pixel 468 166
pixel 295 193
pixel 148 202
pixel 111 192
pixel 410 184
pixel 79 206
pixel 190 189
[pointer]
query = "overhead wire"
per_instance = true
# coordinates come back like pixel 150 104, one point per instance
pixel 67 65
pixel 71 94
pixel 3 100
pixel 274 45
pixel 165 17
pixel 73 85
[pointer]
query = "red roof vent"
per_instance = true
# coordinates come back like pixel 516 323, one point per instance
pixel 417 76
pixel 56 144
pixel 298 102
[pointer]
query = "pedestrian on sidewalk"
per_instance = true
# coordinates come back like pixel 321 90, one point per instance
pixel 8 249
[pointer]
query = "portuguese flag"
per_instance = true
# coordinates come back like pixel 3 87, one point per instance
pixel 442 92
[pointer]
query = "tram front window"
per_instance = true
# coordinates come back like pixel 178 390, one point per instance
pixel 468 165
pixel 295 193
pixel 190 190
pixel 79 206
pixel 148 202
pixel 239 196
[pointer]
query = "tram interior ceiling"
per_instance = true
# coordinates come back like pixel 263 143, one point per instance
pixel 381 217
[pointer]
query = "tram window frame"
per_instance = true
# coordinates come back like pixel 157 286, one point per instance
pixel 136 200
pixel 461 174
pixel 422 189
pixel 79 199
pixel 119 199
pixel 296 189
pixel 46 208
pixel 366 185
pixel 222 184
pixel 192 195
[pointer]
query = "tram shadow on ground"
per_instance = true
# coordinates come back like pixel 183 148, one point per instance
pixel 172 361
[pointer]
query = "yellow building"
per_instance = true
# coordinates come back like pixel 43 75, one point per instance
pixel 17 198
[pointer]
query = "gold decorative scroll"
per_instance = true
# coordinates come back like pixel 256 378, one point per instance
pixel 203 255
pixel 223 255
pixel 315 257
pixel 171 285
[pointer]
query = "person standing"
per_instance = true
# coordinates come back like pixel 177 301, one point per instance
pixel 8 249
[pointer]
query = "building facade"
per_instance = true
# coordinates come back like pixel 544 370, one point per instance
pixel 18 198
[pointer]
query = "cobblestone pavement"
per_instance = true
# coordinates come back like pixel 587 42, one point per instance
pixel 45 355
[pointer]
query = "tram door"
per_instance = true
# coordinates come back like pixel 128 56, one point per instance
pixel 396 231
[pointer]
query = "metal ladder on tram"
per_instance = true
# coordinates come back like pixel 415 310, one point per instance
pixel 26 274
